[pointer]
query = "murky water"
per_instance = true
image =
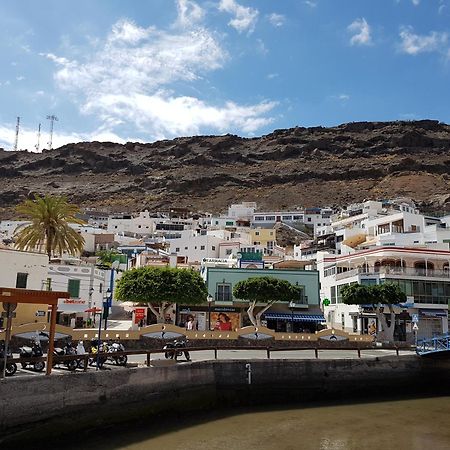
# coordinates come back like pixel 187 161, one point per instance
pixel 404 424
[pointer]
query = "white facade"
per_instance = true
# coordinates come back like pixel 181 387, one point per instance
pixel 242 210
pixel 142 224
pixel 86 283
pixel 13 262
pixel 9 227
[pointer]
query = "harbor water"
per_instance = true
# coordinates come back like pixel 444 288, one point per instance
pixel 413 424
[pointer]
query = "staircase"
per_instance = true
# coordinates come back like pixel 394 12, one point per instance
pixel 439 344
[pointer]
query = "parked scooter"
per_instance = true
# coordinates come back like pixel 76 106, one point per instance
pixel 111 347
pixel 98 350
pixel 26 352
pixel 11 368
pixel 175 349
pixel 67 350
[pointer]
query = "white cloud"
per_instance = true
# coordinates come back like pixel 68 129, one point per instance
pixel 20 78
pixel 189 13
pixel 277 20
pixel 413 44
pixel 271 76
pixel 310 3
pixel 362 32
pixel 244 17
pixel 415 2
pixel 343 98
pixel 129 78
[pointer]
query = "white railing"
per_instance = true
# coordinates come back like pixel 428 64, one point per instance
pixel 396 271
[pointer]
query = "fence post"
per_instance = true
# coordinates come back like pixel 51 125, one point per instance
pixel 359 352
pixel 316 351
pixel 268 352
pixel 86 362
pixel 396 351
pixel 148 359
pixel 215 352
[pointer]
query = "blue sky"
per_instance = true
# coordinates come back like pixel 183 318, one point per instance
pixel 133 70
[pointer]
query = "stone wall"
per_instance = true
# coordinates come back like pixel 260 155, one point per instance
pixel 81 400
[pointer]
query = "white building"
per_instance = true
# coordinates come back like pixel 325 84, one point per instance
pixel 141 224
pixel 86 284
pixel 423 274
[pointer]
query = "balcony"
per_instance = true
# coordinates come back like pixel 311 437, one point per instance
pixel 223 297
pixel 395 271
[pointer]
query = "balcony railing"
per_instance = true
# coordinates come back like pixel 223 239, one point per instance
pixel 223 297
pixel 396 271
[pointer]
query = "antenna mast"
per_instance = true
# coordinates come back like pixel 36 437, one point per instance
pixel 38 138
pixel 16 141
pixel 52 119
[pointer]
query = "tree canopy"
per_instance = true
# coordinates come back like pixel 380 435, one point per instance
pixel 159 287
pixel 265 291
pixel 378 296
pixel 50 218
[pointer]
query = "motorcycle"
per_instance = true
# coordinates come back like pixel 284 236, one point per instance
pixel 175 349
pixel 120 360
pixel 67 350
pixel 26 352
pixel 11 368
pixel 98 350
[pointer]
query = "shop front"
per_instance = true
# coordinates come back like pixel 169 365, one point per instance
pixel 221 318
pixel 294 322
pixel 71 312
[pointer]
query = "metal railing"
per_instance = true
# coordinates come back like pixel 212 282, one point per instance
pixel 89 359
pixel 437 344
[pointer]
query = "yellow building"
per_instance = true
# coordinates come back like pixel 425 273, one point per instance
pixel 266 237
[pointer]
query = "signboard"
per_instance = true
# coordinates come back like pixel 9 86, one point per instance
pixel 415 327
pixel 139 314
pixel 72 305
pixel 326 302
pixel 40 313
pixel 250 256
pixel 415 318
pixel 251 264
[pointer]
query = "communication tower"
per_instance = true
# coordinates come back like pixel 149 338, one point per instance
pixel 52 119
pixel 16 141
pixel 38 138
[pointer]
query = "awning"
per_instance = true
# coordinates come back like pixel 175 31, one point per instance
pixel 295 317
pixel 433 312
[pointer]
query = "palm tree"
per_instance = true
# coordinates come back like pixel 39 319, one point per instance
pixel 50 217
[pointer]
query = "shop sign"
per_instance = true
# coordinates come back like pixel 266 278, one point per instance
pixel 40 313
pixel 415 318
pixel 139 314
pixel 225 309
pixel 72 305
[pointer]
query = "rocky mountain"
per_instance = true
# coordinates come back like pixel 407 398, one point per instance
pixel 284 169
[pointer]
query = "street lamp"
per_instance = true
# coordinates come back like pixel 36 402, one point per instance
pixel 91 291
pixel 291 307
pixel 210 300
pixel 103 313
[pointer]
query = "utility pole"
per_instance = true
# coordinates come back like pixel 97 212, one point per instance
pixel 16 142
pixel 52 119
pixel 38 138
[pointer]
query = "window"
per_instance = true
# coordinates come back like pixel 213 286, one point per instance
pixel 223 293
pixel 213 247
pixel 259 218
pixel 74 288
pixel 309 219
pixel 298 217
pixel 229 224
pixel 177 249
pixel 270 218
pixel 202 247
pixel 256 233
pixel 100 288
pixel 287 217
pixel 21 280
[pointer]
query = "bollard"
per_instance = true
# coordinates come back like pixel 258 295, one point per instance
pixel 86 362
pixel 268 352
pixel 148 359
pixel 359 352
pixel 316 351
pixel 215 353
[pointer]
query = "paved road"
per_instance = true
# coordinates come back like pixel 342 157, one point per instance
pixel 205 355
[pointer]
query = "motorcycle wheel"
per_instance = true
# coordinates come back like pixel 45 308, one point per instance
pixel 167 355
pixel 11 369
pixel 122 360
pixel 80 364
pixel 39 366
pixel 72 365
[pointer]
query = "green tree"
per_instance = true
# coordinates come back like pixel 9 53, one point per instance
pixel 49 228
pixel 159 288
pixel 264 291
pixel 107 257
pixel 379 296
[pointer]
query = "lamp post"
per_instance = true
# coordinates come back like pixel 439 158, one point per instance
pixel 104 314
pixel 91 291
pixel 291 307
pixel 210 300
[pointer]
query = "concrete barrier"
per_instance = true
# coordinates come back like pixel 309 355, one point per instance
pixel 81 400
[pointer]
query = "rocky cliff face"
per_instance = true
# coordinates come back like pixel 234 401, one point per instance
pixel 287 168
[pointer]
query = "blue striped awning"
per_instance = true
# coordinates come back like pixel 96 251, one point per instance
pixel 295 317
